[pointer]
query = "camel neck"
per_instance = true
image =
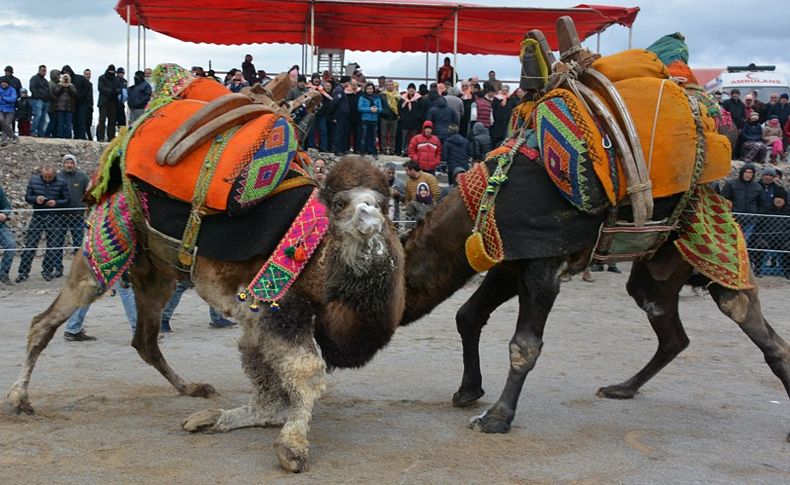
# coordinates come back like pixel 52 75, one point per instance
pixel 436 265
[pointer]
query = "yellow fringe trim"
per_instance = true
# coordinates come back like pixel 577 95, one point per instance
pixel 476 253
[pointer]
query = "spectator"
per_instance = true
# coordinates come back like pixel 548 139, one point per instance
pixel 54 79
pixel 299 89
pixel 772 136
pixel 467 98
pixel 355 117
pixel 248 70
pixel 83 103
pixel 14 82
pixel 744 192
pixel 766 108
pixel 319 171
pixel 481 142
pixel 216 318
pixel 109 90
pixel 64 100
pixel 7 107
pixel 320 126
pixel 446 73
pixel 441 116
pixel 390 113
pixel 410 115
pixel 87 105
pixel 123 96
pixel 24 111
pixel 340 112
pixel 40 98
pixel 44 192
pixel 237 82
pixel 198 71
pixel 148 74
pixel 453 98
pixel 749 107
pixel 482 110
pixel 397 191
pixel 736 108
pixel 502 106
pixel 494 82
pixel 77 183
pixel 425 149
pixel 75 332
pixel 752 148
pixel 770 187
pixel 455 153
pixel 7 242
pixel 423 203
pixel 369 108
pixel 414 175
pixel 139 96
pixel 781 109
pixel 262 77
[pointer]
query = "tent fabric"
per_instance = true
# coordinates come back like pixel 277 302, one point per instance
pixel 381 25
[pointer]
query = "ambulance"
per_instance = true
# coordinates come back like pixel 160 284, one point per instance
pixel 762 79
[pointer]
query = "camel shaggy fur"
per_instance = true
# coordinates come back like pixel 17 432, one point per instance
pixel 349 299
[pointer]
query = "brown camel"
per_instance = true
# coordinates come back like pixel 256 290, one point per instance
pixel 349 299
pixel 436 267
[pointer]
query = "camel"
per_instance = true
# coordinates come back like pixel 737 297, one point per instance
pixel 349 299
pixel 436 267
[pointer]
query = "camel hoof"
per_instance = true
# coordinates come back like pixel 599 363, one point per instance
pixel 489 424
pixel 194 389
pixel 465 397
pixel 616 392
pixel 202 421
pixel 291 459
pixel 18 403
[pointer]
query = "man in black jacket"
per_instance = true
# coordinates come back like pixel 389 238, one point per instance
pixel 88 103
pixel 45 192
pixel 39 100
pixel 109 90
pixel 139 96
pixel 736 108
pixel 80 118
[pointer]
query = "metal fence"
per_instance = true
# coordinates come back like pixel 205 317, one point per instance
pixel 30 236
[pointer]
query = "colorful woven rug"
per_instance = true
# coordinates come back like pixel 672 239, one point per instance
pixel 711 240
pixel 289 259
pixel 472 185
pixel 110 241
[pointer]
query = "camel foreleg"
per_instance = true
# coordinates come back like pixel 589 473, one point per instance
pixel 80 290
pixel 538 286
pixel 499 285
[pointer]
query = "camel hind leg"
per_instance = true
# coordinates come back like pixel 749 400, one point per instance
pixel 152 290
pixel 743 307
pixel 80 290
pixel 659 299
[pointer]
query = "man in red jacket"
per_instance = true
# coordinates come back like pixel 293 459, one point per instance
pixel 426 149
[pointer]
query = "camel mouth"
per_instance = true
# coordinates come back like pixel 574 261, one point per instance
pixel 367 220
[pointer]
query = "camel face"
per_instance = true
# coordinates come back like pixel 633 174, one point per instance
pixel 361 225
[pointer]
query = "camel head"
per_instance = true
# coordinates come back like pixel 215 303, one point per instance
pixel 360 227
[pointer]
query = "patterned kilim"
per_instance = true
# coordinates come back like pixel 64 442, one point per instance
pixel 711 240
pixel 472 186
pixel 292 254
pixel 110 240
pixel 169 80
pixel 564 150
pixel 269 164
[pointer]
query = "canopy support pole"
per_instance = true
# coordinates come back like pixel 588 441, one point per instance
pixel 145 45
pixel 630 32
pixel 128 44
pixel 312 36
pixel 436 64
pixel 139 33
pixel 598 43
pixel 427 53
pixel 455 46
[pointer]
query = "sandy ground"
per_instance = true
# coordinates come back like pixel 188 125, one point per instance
pixel 716 415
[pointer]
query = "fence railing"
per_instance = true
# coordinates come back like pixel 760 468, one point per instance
pixel 59 231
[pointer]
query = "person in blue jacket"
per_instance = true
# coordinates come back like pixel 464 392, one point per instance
pixel 370 108
pixel 7 106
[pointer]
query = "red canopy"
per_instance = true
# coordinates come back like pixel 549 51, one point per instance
pixel 381 25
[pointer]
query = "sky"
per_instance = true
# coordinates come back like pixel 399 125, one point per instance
pixel 88 33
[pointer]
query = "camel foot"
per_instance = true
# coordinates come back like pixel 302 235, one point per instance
pixel 202 421
pixel 291 459
pixel 488 423
pixel 465 397
pixel 17 402
pixel 194 389
pixel 618 391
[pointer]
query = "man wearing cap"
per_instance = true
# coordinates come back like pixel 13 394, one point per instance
pixel 39 100
pixel 770 188
pixel 122 97
pixel 736 108
pixel 109 90
pixel 8 97
pixel 77 182
pixel 14 83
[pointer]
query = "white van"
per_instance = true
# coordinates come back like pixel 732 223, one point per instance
pixel 762 79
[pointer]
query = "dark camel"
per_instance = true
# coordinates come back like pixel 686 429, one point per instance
pixel 436 267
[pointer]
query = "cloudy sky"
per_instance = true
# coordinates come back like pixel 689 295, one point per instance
pixel 88 33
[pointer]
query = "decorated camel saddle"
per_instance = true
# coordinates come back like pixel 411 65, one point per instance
pixel 209 171
pixel 629 141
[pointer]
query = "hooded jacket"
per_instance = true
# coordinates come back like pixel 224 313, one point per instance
pixel 82 85
pixel 64 97
pixel 7 99
pixel 441 115
pixel 481 141
pixel 139 93
pixel 745 196
pixel 456 152
pixel 109 87
pixel 426 150
pixel 364 105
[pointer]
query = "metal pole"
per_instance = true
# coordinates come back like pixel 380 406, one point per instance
pixel 145 45
pixel 312 36
pixel 598 43
pixel 436 65
pixel 138 46
pixel 455 46
pixel 426 60
pixel 128 44
pixel 630 31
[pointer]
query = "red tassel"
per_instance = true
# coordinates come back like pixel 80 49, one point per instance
pixel 300 255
